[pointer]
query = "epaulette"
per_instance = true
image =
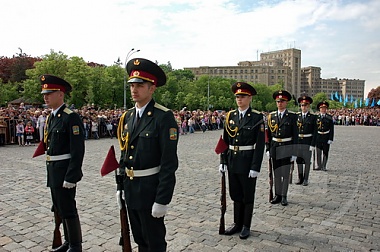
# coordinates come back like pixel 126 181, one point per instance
pixel 67 111
pixel 231 111
pixel 273 113
pixel 256 111
pixel 299 112
pixel 291 112
pixel 328 116
pixel 159 106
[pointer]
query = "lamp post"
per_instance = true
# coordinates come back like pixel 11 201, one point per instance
pixel 129 54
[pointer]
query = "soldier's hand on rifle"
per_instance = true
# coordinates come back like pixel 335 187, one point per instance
pixel 68 185
pixel 329 142
pixel 312 148
pixel 293 158
pixel 159 210
pixel 253 174
pixel 222 168
pixel 118 198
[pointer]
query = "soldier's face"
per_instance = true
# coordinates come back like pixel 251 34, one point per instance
pixel 243 101
pixel 281 104
pixel 305 107
pixel 54 100
pixel 141 93
pixel 322 110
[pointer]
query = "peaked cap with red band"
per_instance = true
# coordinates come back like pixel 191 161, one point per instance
pixel 305 99
pixel 143 70
pixel 242 88
pixel 51 83
pixel 323 104
pixel 282 95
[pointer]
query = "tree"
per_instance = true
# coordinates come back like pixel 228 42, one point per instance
pixel 374 93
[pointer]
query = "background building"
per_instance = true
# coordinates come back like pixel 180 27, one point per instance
pixel 284 67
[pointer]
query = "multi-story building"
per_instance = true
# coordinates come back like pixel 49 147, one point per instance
pixel 284 67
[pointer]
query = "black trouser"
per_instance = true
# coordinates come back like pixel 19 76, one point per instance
pixel 322 149
pixel 242 188
pixel 64 201
pixel 304 160
pixel 281 154
pixel 148 232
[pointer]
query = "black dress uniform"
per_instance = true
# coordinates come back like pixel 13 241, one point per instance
pixel 307 131
pixel 283 139
pixel 148 160
pixel 325 128
pixel 65 148
pixel 245 140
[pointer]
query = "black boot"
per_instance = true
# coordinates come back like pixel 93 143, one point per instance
pixel 238 219
pixel 245 232
pixel 277 199
pixel 63 248
pixel 284 201
pixel 75 235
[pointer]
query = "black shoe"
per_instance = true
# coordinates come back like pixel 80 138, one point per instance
pixel 324 169
pixel 299 182
pixel 75 248
pixel 317 169
pixel 276 199
pixel 245 233
pixel 284 201
pixel 63 248
pixel 233 230
pixel 305 183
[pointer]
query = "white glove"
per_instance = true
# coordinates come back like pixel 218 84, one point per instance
pixel 159 210
pixel 312 148
pixel 267 153
pixel 68 185
pixel 293 158
pixel 222 168
pixel 118 198
pixel 329 142
pixel 253 174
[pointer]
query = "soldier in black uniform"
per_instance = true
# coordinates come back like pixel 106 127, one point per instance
pixel 325 136
pixel 307 131
pixel 244 135
pixel 148 141
pixel 64 143
pixel 283 139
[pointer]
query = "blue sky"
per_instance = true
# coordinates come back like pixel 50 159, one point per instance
pixel 341 37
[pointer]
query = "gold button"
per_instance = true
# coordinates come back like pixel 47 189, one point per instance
pixel 237 134
pixel 235 152
pixel 132 147
pixel 147 134
pixel 237 140
pixel 130 157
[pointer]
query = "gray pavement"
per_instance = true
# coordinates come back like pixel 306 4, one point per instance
pixel 338 211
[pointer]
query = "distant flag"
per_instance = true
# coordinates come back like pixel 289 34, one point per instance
pixel 361 102
pixel 346 99
pixel 332 96
pixel 352 99
pixel 336 96
pixel 366 101
pixel 340 98
pixel 356 103
pixel 373 102
pixel 378 102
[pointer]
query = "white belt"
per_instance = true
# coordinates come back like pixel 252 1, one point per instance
pixel 322 133
pixel 58 157
pixel 280 140
pixel 142 173
pixel 241 148
pixel 305 135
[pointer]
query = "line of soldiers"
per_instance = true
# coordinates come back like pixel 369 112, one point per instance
pixel 291 139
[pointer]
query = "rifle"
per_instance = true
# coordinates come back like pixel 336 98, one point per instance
pixel 291 173
pixel 314 159
pixel 125 240
pixel 57 238
pixel 270 167
pixel 223 203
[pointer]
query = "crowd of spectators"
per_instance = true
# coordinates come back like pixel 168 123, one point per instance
pixel 24 125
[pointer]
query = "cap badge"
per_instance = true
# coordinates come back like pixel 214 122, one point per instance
pixel 136 73
pixel 43 78
pixel 136 62
pixel 239 90
pixel 280 92
pixel 45 85
pixel 280 96
pixel 238 85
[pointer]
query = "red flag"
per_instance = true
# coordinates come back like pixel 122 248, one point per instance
pixel 221 146
pixel 40 150
pixel 110 163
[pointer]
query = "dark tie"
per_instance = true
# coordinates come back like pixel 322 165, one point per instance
pixel 280 116
pixel 241 117
pixel 137 120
